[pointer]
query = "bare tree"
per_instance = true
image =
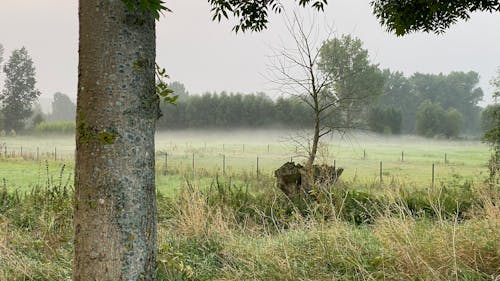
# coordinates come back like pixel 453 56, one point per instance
pixel 295 72
pixel 332 77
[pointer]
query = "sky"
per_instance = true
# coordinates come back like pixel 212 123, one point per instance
pixel 207 56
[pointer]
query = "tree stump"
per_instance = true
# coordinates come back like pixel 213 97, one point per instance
pixel 294 179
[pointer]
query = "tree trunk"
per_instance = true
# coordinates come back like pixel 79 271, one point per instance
pixel 115 204
pixel 315 140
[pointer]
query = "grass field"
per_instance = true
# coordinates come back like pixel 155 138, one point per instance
pixel 238 226
pixel 235 153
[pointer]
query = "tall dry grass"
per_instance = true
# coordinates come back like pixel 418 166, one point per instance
pixel 248 230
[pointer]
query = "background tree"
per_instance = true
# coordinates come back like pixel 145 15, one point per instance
pixel 399 94
pixel 19 91
pixel 294 70
pixel 403 17
pixel 63 109
pixel 491 121
pixel 355 81
pixel 457 90
pixel 335 80
pixel 429 119
pixel 1 54
pixel 432 120
pixel 495 82
pixel 385 120
pixel 488 121
pixel 453 123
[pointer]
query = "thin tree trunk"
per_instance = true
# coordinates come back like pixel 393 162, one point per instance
pixel 315 140
pixel 115 204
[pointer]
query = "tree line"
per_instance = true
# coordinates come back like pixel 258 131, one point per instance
pixel 424 104
pixel 429 104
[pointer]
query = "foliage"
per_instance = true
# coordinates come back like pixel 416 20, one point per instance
pixel 453 123
pixel 63 109
pixel 433 120
pixel 19 93
pixel 154 7
pixel 162 89
pixel 353 79
pixel 38 118
pixel 454 90
pixel 399 95
pixel 495 82
pixel 492 136
pixel 429 117
pixel 233 110
pixel 382 120
pixel 59 127
pixel 491 123
pixel 489 117
pixel 403 17
pixel 253 15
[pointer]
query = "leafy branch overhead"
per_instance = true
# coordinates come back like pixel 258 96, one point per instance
pixel 403 17
pixel 253 14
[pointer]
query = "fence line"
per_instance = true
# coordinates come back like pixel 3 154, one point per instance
pixel 21 151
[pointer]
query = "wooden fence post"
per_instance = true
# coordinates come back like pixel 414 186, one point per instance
pixel 223 164
pixel 193 165
pixel 432 175
pixel 381 176
pixel 166 164
pixel 257 167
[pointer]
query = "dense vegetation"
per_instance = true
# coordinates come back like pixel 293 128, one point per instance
pixel 249 230
pixel 425 104
pixel 454 91
pixel 448 106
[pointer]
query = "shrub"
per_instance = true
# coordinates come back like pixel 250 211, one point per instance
pixel 60 127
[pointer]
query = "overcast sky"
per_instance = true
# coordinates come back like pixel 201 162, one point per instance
pixel 207 56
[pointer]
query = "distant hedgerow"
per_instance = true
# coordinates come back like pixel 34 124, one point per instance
pixel 60 127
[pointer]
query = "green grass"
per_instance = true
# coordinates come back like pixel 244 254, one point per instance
pixel 466 159
pixel 227 233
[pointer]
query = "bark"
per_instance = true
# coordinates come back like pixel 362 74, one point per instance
pixel 315 141
pixel 115 204
pixel 316 131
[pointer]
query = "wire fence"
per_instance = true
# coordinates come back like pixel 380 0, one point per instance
pixel 255 160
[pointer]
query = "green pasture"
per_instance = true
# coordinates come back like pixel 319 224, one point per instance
pixel 237 154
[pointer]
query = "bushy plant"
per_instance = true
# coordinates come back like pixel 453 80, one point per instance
pixel 60 127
